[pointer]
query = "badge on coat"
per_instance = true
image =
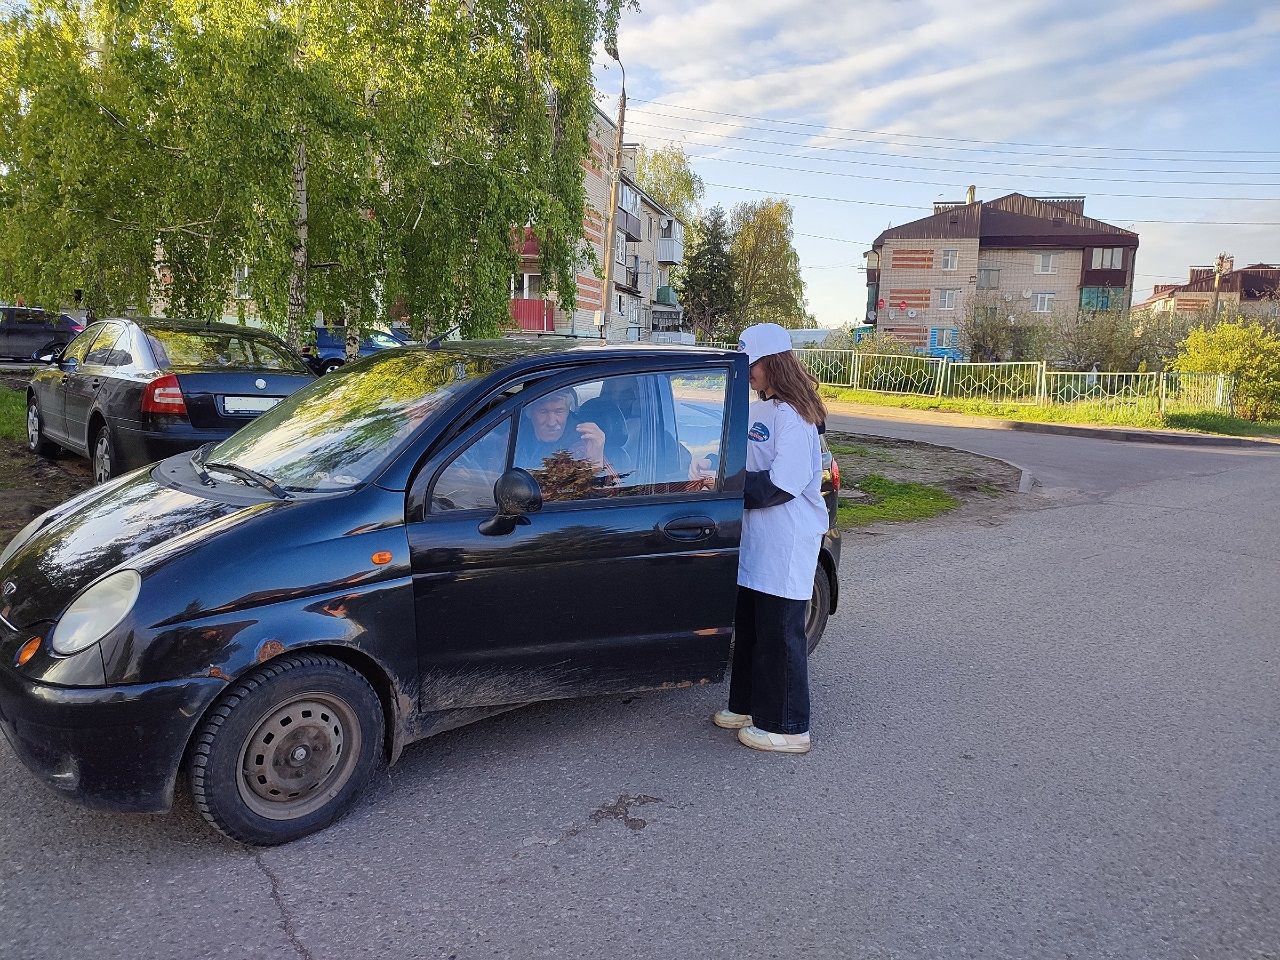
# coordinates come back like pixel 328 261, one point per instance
pixel 758 432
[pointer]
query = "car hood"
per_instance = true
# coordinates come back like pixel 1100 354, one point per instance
pixel 92 534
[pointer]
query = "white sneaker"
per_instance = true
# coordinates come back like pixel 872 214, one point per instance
pixel 758 739
pixel 728 720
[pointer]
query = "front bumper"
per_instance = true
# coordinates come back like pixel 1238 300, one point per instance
pixel 106 748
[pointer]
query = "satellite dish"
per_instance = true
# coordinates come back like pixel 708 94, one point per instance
pixel 1026 294
pixel 911 314
pixel 1008 298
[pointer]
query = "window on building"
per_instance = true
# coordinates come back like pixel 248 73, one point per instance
pixel 620 247
pixel 1043 302
pixel 240 282
pixel 1108 258
pixel 988 278
pixel 950 259
pixel 947 299
pixel 1044 262
pixel 1095 298
pixel 944 337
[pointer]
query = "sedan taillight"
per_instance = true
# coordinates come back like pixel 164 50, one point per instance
pixel 164 396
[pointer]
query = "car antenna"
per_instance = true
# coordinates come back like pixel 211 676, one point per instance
pixel 438 341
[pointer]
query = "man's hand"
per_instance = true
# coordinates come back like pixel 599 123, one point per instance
pixel 592 438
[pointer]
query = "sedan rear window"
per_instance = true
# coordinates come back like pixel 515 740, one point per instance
pixel 217 349
pixel 337 432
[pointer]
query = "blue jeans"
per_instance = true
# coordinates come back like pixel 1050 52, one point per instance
pixel 770 662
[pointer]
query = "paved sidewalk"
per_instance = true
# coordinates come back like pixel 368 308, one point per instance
pixel 1132 434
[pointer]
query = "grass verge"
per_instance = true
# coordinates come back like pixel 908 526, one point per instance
pixel 891 502
pixel 13 414
pixel 1095 414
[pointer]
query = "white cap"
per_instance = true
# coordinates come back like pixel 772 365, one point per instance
pixel 763 340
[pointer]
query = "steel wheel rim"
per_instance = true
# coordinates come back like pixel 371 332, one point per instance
pixel 299 756
pixel 102 459
pixel 33 426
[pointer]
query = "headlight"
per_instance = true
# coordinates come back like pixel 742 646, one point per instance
pixel 25 534
pixel 96 612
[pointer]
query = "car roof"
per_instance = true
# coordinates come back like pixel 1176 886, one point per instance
pixel 514 348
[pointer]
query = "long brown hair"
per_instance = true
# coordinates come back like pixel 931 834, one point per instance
pixel 790 382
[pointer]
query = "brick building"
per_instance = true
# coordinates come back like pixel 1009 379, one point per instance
pixel 1018 256
pixel 1250 291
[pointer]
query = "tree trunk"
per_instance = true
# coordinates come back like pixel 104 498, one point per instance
pixel 297 308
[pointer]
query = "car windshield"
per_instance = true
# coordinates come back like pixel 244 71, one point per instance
pixel 219 349
pixel 337 432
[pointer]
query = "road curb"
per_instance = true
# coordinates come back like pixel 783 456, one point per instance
pixel 938 418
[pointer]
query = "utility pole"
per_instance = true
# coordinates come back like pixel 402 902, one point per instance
pixel 611 225
pixel 1217 283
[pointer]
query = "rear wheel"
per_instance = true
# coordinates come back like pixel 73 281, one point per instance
pixel 815 617
pixel 287 750
pixel 36 441
pixel 103 456
pixel 332 365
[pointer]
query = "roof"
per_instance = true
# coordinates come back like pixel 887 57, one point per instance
pixel 512 348
pixel 1014 220
pixel 1256 282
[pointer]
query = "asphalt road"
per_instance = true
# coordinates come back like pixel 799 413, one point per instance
pixel 1053 737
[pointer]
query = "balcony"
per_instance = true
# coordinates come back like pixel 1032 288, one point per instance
pixel 670 250
pixel 534 315
pixel 666 295
pixel 628 279
pixel 629 224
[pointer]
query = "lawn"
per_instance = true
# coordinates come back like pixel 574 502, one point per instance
pixel 891 502
pixel 1097 414
pixel 13 414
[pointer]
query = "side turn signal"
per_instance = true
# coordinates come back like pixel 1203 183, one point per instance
pixel 28 650
pixel 381 557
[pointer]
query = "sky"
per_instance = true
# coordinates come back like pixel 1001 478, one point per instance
pixel 1162 113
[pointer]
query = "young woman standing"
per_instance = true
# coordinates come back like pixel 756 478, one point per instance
pixel 782 527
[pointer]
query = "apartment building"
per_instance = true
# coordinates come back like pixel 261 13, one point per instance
pixel 1252 291
pixel 648 243
pixel 1020 257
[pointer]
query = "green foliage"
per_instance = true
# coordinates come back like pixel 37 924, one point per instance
pixel 705 286
pixel 1249 352
pixel 13 414
pixel 149 148
pixel 667 177
pixel 768 287
pixel 892 502
pixel 1211 422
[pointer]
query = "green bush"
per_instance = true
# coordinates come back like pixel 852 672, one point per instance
pixel 1247 351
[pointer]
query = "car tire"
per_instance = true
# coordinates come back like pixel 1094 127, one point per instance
pixel 332 365
pixel 242 765
pixel 36 441
pixel 815 616
pixel 103 460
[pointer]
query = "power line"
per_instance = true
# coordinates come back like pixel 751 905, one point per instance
pixel 907 166
pixel 918 136
pixel 985 186
pixel 873 203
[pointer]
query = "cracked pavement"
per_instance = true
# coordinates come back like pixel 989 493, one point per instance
pixel 1056 736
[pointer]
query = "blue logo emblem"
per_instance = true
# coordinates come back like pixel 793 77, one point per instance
pixel 742 345
pixel 758 432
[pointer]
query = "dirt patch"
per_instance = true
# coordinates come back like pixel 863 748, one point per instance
pixel 30 485
pixel 987 489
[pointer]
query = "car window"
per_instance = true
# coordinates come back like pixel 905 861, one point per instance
pixel 218 349
pixel 384 340
pixel 78 347
pixel 104 343
pixel 697 404
pixel 467 482
pixel 336 432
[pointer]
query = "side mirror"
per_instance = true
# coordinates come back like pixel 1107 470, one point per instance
pixel 48 355
pixel 69 364
pixel 517 494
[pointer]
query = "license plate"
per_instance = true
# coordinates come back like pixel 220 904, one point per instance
pixel 235 405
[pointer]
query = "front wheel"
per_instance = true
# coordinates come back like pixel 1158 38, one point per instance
pixel 286 750
pixel 36 441
pixel 815 617
pixel 332 365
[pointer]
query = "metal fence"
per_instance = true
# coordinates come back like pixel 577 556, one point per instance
pixel 1019 383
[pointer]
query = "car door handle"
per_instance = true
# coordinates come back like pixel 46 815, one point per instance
pixel 689 528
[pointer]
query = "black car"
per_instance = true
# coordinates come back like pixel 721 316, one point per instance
pixel 126 393
pixel 389 553
pixel 26 331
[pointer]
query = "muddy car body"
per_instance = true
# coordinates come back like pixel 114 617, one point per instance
pixel 369 563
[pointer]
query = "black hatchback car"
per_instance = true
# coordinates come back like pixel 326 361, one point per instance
pixel 418 540
pixel 130 392
pixel 26 331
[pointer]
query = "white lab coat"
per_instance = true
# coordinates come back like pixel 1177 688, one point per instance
pixel 780 544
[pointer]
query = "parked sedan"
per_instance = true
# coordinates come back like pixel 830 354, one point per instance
pixel 408 545
pixel 130 392
pixel 25 331
pixel 330 351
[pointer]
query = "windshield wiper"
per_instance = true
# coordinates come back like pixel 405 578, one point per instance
pixel 253 476
pixel 197 464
